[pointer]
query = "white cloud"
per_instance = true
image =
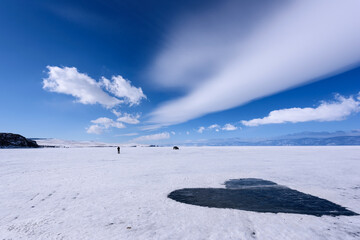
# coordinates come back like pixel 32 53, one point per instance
pixel 150 127
pixel 187 133
pixel 102 124
pixel 229 127
pixel 95 129
pixel 122 88
pixel 107 122
pixel 214 126
pixel 225 59
pixel 152 137
pixel 128 134
pixel 118 114
pixel 68 80
pixel 201 130
pixel 327 111
pixel 172 132
pixel 128 118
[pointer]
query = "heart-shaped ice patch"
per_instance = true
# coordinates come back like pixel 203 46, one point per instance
pixel 259 195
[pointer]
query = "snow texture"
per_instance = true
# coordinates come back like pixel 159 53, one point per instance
pixel 95 193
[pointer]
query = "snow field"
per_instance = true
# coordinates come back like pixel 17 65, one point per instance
pixel 94 193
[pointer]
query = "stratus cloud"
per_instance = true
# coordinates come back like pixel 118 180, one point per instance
pixel 102 124
pixel 152 137
pixel 68 80
pixel 122 88
pixel 298 42
pixel 327 111
pixel 229 127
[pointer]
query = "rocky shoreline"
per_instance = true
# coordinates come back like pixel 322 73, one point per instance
pixel 11 140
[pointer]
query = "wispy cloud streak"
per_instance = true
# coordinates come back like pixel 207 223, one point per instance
pixel 301 42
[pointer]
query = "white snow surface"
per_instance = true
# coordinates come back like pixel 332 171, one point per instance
pixel 94 193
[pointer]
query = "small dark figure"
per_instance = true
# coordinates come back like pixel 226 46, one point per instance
pixel 118 148
pixel 175 148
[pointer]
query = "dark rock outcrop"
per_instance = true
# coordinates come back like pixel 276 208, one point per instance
pixel 10 140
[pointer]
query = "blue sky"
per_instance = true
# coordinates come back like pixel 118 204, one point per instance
pixel 170 71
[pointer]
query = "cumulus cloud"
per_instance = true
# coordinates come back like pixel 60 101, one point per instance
pixel 102 124
pixel 326 111
pixel 214 126
pixel 229 127
pixel 122 88
pixel 201 129
pixel 152 137
pixel 67 80
pixel 129 118
pixel 95 129
pixel 224 59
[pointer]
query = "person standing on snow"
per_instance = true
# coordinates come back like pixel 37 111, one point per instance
pixel 118 148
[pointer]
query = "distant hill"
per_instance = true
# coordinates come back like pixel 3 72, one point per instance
pixel 338 138
pixel 11 140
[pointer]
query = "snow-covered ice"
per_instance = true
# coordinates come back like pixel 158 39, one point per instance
pixel 94 193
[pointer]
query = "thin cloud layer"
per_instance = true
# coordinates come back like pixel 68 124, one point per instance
pixel 67 80
pixel 129 134
pixel 301 41
pixel 152 137
pixel 327 111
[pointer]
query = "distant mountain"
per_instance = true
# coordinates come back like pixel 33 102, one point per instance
pixel 321 134
pixel 338 138
pixel 319 141
pixel 11 140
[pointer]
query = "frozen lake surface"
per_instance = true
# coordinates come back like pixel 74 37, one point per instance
pixel 94 193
